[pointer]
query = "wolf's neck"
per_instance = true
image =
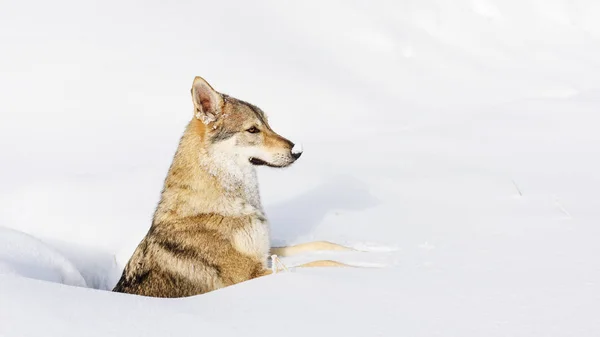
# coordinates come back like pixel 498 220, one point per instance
pixel 203 181
pixel 231 178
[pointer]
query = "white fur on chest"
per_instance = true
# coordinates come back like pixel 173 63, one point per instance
pixel 253 239
pixel 230 165
pixel 234 172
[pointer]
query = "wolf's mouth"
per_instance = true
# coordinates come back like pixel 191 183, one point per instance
pixel 260 162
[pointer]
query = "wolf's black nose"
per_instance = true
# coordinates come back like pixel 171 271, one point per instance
pixel 296 151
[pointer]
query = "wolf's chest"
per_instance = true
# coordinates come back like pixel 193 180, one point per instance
pixel 253 239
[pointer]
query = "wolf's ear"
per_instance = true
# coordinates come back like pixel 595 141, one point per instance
pixel 207 102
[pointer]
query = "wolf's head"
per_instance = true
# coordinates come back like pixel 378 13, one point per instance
pixel 238 131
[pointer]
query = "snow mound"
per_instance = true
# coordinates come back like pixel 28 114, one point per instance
pixel 23 255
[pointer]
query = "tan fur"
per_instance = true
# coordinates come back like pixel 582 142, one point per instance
pixel 209 230
pixel 308 247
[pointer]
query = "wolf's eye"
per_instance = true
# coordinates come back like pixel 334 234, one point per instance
pixel 253 130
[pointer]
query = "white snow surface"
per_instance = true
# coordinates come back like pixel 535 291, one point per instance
pixel 454 144
pixel 23 255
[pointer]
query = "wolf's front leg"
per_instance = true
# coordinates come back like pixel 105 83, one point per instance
pixel 309 247
pixel 312 264
pixel 323 263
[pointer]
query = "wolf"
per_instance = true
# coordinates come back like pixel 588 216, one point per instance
pixel 209 229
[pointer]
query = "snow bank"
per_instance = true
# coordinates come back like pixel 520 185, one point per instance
pixel 24 255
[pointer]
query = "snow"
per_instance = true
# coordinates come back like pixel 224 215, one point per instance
pixel 454 145
pixel 21 254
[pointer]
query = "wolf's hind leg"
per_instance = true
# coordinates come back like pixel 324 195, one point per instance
pixel 309 247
